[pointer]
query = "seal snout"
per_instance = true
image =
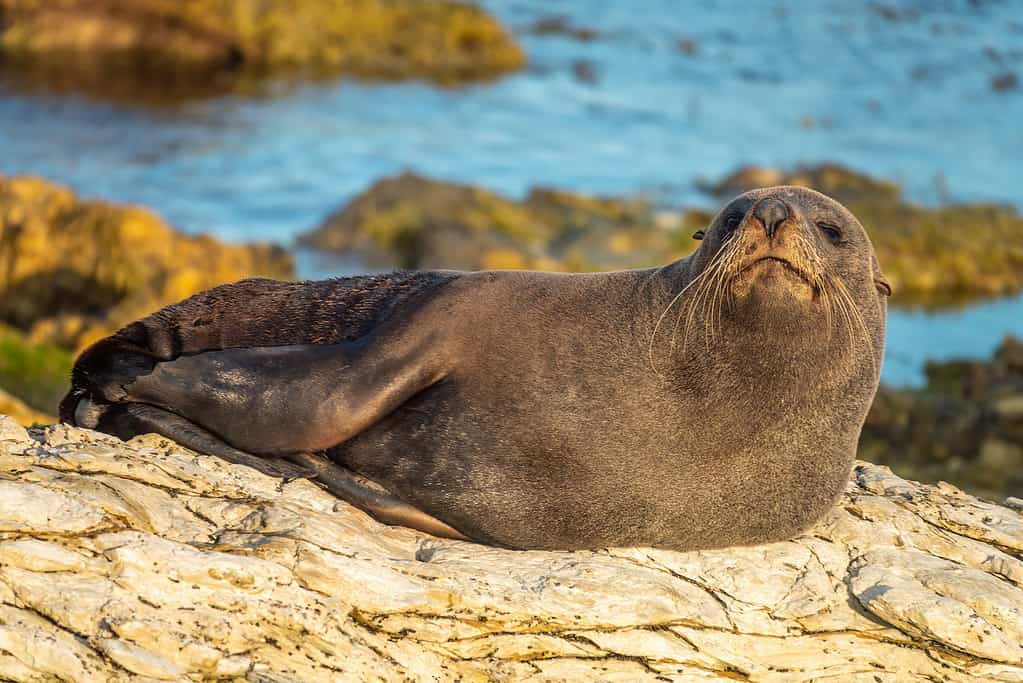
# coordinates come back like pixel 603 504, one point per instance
pixel 771 213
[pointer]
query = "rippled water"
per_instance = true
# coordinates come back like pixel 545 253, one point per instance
pixel 777 83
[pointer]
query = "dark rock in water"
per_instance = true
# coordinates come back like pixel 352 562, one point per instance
pixel 585 71
pixel 965 426
pixel 415 222
pixel 153 42
pixel 558 25
pixel 687 46
pixel 933 256
pixel 1005 82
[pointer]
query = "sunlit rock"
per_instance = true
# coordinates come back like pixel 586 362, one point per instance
pixel 145 559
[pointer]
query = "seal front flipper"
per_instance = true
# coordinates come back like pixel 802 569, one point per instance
pixel 285 399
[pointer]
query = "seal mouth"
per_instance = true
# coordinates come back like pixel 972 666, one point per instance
pixel 786 264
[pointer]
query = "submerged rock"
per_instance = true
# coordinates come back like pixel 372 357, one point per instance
pixel 416 222
pixel 74 270
pixel 965 425
pixel 560 25
pixel 162 42
pixel 935 256
pixel 144 559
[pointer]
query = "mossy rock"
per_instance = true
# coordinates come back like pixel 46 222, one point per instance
pixel 85 41
pixel 933 256
pixel 37 374
pixel 416 222
pixel 73 270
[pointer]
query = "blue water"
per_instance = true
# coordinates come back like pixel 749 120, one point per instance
pixel 773 83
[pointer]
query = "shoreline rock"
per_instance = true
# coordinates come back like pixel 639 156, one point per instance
pixel 144 559
pixel 89 43
pixel 965 425
pixel 411 221
pixel 74 270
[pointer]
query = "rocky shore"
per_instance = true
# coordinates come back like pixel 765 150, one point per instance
pixel 123 46
pixel 965 425
pixel 142 559
pixel 410 221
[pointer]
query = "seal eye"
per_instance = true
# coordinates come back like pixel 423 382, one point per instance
pixel 832 232
pixel 698 235
pixel 732 222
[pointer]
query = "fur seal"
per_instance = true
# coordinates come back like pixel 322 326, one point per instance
pixel 714 401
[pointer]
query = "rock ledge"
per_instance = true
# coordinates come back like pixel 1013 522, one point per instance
pixel 144 559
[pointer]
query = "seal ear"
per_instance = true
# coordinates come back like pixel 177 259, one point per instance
pixel 698 235
pixel 880 281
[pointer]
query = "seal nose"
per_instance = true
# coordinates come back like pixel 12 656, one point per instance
pixel 771 212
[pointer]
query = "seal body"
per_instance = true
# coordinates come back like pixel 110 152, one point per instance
pixel 715 401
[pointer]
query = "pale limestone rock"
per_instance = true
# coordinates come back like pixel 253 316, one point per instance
pixel 145 561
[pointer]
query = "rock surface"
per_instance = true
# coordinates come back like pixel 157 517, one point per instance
pixel 99 45
pixel 73 270
pixel 120 561
pixel 935 256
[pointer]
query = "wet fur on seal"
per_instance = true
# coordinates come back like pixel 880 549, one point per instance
pixel 715 401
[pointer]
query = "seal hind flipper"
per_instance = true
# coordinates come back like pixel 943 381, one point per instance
pixel 126 420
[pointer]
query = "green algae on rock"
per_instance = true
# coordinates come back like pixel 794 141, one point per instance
pixel 932 256
pixel 965 425
pixel 38 374
pixel 183 40
pixel 74 270
pixel 416 222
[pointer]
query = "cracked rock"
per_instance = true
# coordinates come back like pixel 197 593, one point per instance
pixel 121 561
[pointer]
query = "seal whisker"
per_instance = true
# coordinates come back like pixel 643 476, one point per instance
pixel 721 289
pixel 699 299
pixel 810 264
pixel 664 313
pixel 694 302
pixel 861 325
pixel 842 307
